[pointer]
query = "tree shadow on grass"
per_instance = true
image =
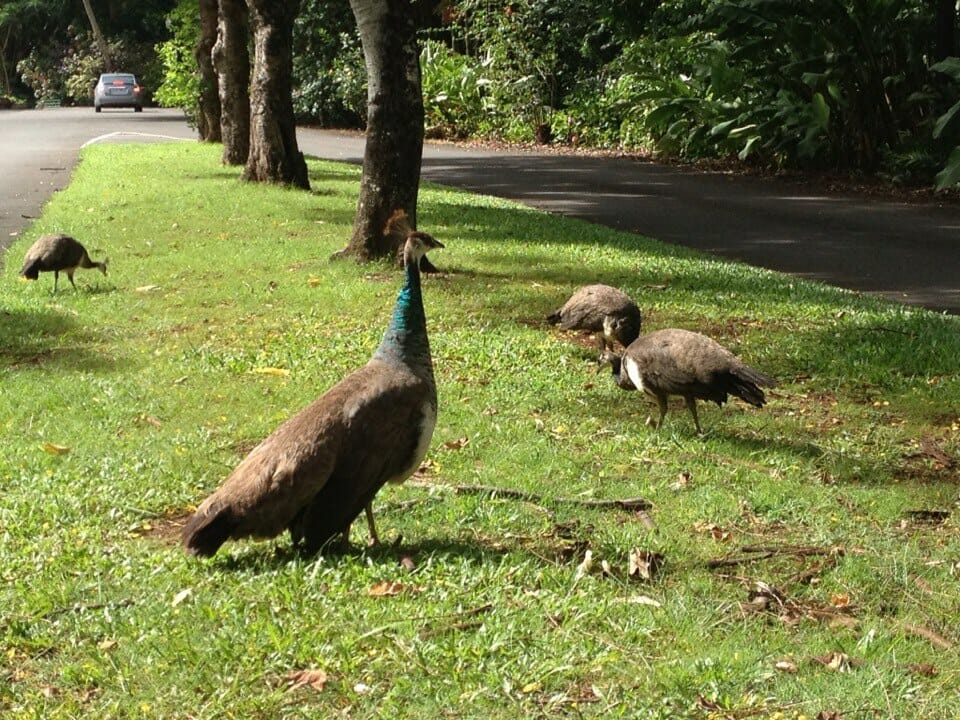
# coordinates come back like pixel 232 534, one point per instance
pixel 32 338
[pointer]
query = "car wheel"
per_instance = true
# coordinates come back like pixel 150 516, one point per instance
pixel 138 108
pixel 97 108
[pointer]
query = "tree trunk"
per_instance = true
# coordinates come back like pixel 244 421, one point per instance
pixel 391 160
pixel 945 30
pixel 274 154
pixel 98 36
pixel 208 104
pixel 231 59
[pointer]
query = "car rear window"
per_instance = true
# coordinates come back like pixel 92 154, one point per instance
pixel 127 79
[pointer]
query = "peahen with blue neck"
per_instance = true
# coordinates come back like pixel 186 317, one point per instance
pixel 319 470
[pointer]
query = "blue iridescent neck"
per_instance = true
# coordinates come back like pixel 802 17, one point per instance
pixel 405 340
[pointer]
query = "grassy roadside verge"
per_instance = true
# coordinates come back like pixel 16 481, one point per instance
pixel 122 404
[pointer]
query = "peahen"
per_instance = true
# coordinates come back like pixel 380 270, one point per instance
pixel 601 309
pixel 688 364
pixel 319 470
pixel 57 253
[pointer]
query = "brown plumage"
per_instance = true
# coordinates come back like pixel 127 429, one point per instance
pixel 688 364
pixel 319 470
pixel 600 309
pixel 58 253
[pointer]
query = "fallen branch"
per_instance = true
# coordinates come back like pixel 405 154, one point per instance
pixel 635 504
pixel 762 552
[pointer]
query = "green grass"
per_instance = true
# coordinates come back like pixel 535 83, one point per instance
pixel 149 377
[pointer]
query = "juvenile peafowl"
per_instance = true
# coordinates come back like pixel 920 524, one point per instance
pixel 601 309
pixel 319 470
pixel 688 364
pixel 57 253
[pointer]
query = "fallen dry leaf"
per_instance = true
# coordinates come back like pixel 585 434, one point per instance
pixel 389 588
pixel 146 288
pixel 923 669
pixel 314 282
pixel 829 715
pixel 836 661
pixel 584 567
pixel 644 600
pixel 181 597
pixel 313 678
pixel 714 530
pixel 839 600
pixel 683 479
pixel 55 449
pixel 407 563
pixel 105 645
pixel 785 665
pixel 457 444
pixel 276 372
pixel 644 564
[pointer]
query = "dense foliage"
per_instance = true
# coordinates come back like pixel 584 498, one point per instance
pixel 181 82
pixel 847 85
pixel 47 51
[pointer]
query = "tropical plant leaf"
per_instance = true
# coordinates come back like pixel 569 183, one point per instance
pixel 945 119
pixel 950 175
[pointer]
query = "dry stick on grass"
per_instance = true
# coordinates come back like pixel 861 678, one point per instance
pixel 762 552
pixel 635 504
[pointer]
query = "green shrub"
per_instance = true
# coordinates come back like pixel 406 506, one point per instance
pixel 454 91
pixel 180 87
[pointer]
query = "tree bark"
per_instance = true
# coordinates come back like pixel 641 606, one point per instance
pixel 394 148
pixel 98 36
pixel 231 59
pixel 945 30
pixel 208 104
pixel 274 155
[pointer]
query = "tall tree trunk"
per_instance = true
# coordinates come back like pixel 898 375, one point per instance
pixel 231 60
pixel 98 36
pixel 391 160
pixel 945 29
pixel 208 104
pixel 7 90
pixel 274 154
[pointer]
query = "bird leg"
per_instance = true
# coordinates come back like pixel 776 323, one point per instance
pixel 662 404
pixel 692 406
pixel 374 538
pixel 56 278
pixel 70 278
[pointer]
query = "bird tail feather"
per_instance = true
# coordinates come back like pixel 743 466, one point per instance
pixel 205 532
pixel 31 271
pixel 747 383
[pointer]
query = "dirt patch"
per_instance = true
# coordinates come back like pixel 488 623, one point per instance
pixel 165 530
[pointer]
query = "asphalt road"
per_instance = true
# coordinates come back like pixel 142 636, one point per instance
pixel 906 252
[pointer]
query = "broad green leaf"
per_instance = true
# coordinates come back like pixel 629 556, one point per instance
pixel 948 66
pixel 721 128
pixel 748 148
pixel 945 119
pixel 950 175
pixel 821 111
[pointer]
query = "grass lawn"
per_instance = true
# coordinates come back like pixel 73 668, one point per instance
pixel 810 551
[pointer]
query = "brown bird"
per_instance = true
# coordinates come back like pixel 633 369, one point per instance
pixel 319 470
pixel 688 364
pixel 58 253
pixel 603 310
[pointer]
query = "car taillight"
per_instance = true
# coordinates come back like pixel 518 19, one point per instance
pixel 117 82
pixel 136 88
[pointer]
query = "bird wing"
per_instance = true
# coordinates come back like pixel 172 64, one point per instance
pixel 389 432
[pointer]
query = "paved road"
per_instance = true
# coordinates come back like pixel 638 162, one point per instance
pixel 909 253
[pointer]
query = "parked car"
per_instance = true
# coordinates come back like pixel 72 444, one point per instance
pixel 118 90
